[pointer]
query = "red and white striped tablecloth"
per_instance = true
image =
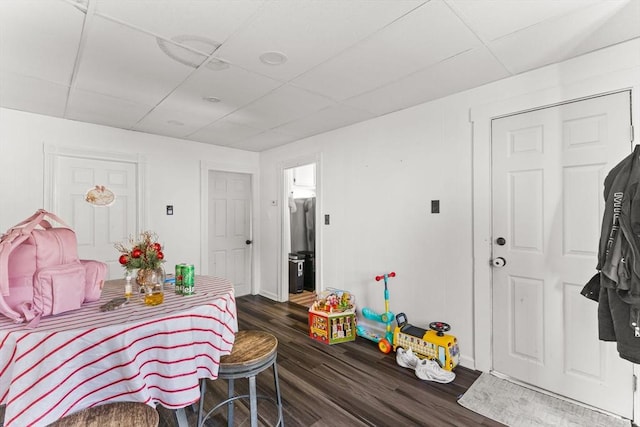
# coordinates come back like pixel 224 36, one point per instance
pixel 136 353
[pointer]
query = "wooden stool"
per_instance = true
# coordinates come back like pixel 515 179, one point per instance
pixel 118 414
pixel 252 353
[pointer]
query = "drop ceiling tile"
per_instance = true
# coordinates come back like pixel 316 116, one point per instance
pixel 129 64
pixel 212 20
pixel 281 106
pixel 223 132
pixel 374 56
pixel 104 109
pixel 558 39
pixel 308 32
pixel 264 141
pixel 409 44
pixel 496 18
pixel 33 95
pixel 325 120
pixel 171 122
pixel 34 44
pixel 233 86
pixel 621 25
pixel 465 71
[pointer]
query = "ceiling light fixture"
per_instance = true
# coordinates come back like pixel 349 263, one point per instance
pixel 188 50
pixel 211 99
pixel 273 58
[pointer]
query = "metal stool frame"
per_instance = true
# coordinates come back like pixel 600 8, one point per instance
pixel 250 372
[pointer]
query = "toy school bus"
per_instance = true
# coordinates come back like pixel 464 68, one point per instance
pixel 430 344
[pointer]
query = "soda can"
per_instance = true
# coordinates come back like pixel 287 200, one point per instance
pixel 179 279
pixel 188 279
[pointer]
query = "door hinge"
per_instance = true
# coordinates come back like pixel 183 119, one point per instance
pixel 635 383
pixel 631 130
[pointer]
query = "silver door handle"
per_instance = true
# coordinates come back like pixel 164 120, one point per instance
pixel 498 262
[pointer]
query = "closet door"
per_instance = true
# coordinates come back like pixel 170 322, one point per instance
pixel 230 228
pixel 97 226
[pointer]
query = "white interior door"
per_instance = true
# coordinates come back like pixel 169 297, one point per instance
pixel 548 169
pixel 230 228
pixel 97 228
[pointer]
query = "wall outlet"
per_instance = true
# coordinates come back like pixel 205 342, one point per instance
pixel 169 209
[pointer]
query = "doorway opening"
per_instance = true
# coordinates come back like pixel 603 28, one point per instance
pixel 299 233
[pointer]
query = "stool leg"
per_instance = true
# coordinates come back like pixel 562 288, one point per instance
pixel 278 397
pixel 253 401
pixel 203 388
pixel 230 404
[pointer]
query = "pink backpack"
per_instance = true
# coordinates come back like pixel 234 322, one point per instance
pixel 40 273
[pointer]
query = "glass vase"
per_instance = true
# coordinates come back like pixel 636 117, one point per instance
pixel 151 284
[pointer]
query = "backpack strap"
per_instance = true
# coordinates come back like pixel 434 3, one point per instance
pixel 38 219
pixel 7 244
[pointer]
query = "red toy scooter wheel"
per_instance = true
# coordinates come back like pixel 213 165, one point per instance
pixel 384 346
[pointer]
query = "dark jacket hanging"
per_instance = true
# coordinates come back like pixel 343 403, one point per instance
pixel 619 260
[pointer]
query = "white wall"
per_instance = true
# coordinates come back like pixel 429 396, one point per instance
pixel 377 181
pixel 172 169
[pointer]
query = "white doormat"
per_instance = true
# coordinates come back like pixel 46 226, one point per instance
pixel 517 406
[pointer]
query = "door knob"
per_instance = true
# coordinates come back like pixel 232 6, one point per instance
pixel 248 242
pixel 498 262
pixel 500 241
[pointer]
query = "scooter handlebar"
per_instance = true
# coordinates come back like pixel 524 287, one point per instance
pixel 392 274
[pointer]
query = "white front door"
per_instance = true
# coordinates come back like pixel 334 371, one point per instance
pixel 97 228
pixel 230 228
pixel 548 168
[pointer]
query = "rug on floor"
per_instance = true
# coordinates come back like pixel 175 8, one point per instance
pixel 517 406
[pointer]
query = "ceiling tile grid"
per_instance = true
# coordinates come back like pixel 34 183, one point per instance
pixel 208 71
pixel 411 43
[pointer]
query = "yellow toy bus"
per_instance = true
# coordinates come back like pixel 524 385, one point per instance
pixel 431 344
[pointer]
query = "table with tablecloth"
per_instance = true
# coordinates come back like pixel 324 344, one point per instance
pixel 138 353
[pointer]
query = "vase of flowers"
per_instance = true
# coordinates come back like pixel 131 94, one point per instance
pixel 144 253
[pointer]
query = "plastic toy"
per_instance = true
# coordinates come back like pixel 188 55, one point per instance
pixel 332 317
pixel 384 341
pixel 431 344
pixel 334 301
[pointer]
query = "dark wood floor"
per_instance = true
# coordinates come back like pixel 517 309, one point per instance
pixel 348 384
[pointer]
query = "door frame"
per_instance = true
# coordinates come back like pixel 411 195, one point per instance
pixel 283 264
pixel 481 117
pixel 51 154
pixel 253 171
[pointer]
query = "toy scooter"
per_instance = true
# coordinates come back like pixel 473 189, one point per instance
pixel 385 343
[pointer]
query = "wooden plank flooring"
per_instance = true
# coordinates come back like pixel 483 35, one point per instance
pixel 348 384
